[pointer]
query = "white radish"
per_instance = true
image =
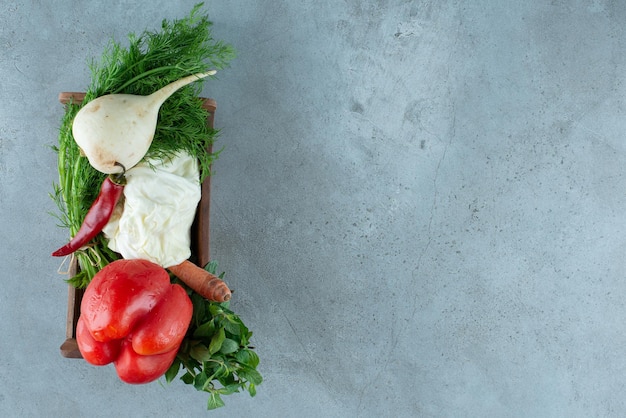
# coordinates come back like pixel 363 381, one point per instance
pixel 115 131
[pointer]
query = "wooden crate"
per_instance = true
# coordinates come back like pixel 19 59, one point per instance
pixel 199 238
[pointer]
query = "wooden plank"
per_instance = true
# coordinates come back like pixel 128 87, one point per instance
pixel 200 231
pixel 69 348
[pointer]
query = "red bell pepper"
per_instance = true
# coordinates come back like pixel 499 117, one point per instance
pixel 132 316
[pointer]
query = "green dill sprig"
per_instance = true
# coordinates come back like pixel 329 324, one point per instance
pixel 156 58
pixel 79 185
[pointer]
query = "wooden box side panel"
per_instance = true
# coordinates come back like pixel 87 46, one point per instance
pixel 200 237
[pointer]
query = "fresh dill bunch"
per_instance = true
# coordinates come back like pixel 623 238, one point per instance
pixel 156 58
pixel 79 185
pixel 148 62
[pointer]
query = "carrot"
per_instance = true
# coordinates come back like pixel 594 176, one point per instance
pixel 207 285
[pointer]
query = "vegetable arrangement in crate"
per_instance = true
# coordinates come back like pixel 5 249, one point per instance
pixel 134 157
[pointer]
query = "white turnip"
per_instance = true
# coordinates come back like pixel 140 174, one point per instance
pixel 115 131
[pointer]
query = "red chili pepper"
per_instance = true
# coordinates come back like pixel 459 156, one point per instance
pixel 97 216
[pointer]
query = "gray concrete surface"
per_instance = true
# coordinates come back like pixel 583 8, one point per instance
pixel 420 205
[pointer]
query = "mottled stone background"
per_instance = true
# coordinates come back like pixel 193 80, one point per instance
pixel 419 204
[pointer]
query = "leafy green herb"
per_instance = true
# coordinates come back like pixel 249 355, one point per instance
pixel 216 355
pixel 149 62
pixel 78 187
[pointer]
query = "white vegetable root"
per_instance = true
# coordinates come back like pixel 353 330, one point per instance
pixel 115 131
